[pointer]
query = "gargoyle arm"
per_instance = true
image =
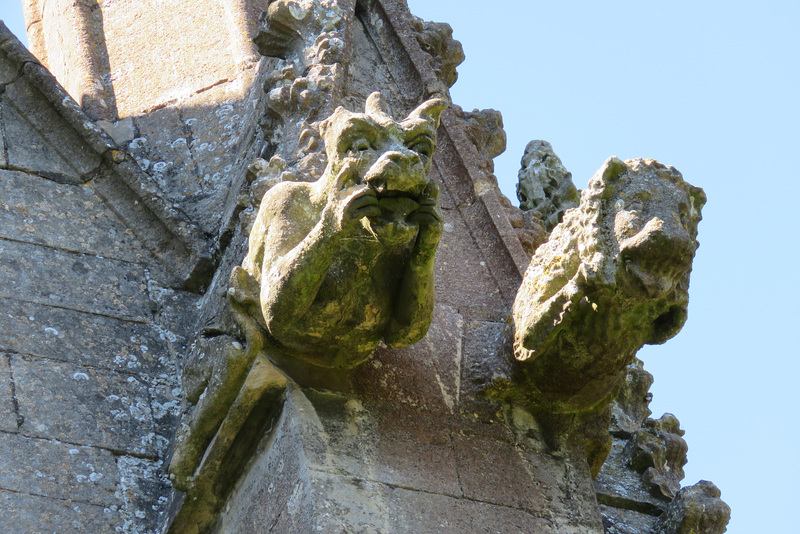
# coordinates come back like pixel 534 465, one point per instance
pixel 413 309
pixel 297 256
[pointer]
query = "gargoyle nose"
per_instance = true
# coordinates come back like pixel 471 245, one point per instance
pixel 405 159
pixel 396 170
pixel 658 239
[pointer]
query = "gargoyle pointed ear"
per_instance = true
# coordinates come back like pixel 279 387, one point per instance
pixel 377 108
pixel 430 110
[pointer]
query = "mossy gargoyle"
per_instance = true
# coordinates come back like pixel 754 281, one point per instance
pixel 334 267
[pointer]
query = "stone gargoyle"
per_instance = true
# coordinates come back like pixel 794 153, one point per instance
pixel 334 267
pixel 613 276
pixel 339 265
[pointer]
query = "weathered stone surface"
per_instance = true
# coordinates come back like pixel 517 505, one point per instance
pixel 8 410
pixel 696 509
pixel 36 210
pixel 436 39
pixel 31 151
pixel 425 376
pixel 459 257
pixel 143 492
pixel 419 512
pixel 509 482
pixel 43 140
pixel 81 338
pixel 82 282
pixel 622 521
pixel 545 186
pixel 275 478
pixel 630 408
pixel 83 405
pixel 8 71
pixel 658 452
pixel 619 485
pixel 481 364
pixel 368 69
pixel 25 513
pixel 3 141
pixel 613 276
pixel 84 474
pixel 146 76
pixel 374 211
pixel 384 444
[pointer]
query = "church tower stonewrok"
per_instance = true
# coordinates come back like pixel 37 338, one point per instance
pixel 257 276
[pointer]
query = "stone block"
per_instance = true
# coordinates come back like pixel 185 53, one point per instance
pixel 8 411
pixel 161 148
pixel 25 514
pixel 456 178
pixel 82 338
pixel 166 397
pixel 483 360
pixel 343 504
pixel 143 492
pixel 384 443
pixel 346 504
pixel 58 470
pixel 82 405
pixel 621 521
pixel 78 281
pixel 414 451
pixel 277 474
pixel 28 150
pixel 424 513
pixel 8 71
pixel 3 141
pixel 40 138
pixel 37 210
pixel 493 470
pixel 568 482
pixel 423 376
pixel 169 55
pixel 620 483
pixel 458 258
pixel 484 231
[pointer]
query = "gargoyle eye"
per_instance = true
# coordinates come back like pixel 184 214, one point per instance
pixel 422 145
pixel 360 145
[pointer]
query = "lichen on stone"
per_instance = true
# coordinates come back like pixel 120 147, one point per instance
pixel 613 276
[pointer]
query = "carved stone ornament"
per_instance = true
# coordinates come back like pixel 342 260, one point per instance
pixel 339 265
pixel 334 267
pixel 613 276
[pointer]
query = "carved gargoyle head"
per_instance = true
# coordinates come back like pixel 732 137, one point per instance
pixel 394 158
pixel 613 276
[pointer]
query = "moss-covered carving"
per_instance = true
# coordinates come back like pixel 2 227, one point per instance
pixel 341 264
pixel 613 276
pixel 334 267
pixel 697 509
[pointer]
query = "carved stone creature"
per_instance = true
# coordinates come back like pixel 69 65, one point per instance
pixel 697 509
pixel 436 38
pixel 658 452
pixel 545 186
pixel 339 265
pixel 613 276
pixel 334 267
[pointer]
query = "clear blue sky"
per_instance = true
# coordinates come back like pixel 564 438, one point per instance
pixel 712 88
